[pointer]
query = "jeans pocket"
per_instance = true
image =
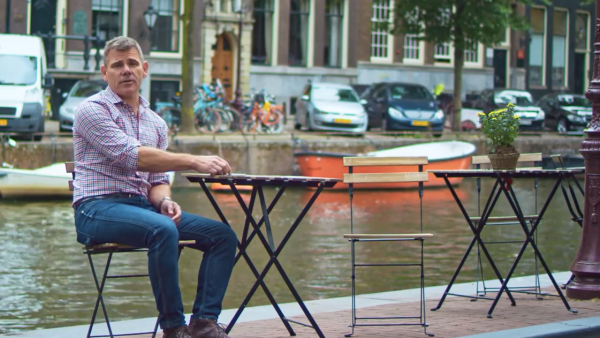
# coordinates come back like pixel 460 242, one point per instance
pixel 85 224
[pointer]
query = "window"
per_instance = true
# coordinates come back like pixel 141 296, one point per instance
pixel 381 40
pixel 574 101
pixel 559 49
pixel 471 52
pixel 408 92
pixel 537 47
pixel 334 31
pixel 106 20
pixel 162 91
pixel 411 47
pixel 298 48
pixel 18 70
pixel 165 34
pixel 334 94
pixel 262 33
pixel 442 53
pixel 224 6
pixel 88 88
pixel 581 31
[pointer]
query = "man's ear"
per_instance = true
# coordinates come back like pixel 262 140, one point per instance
pixel 103 71
pixel 145 67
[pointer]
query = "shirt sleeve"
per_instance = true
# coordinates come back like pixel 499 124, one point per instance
pixel 94 123
pixel 163 144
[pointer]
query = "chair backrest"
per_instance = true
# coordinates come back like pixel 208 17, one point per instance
pixel 399 177
pixel 527 157
pixel 70 167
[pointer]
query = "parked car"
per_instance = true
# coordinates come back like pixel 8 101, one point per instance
pixel 403 106
pixel 531 117
pixel 80 91
pixel 330 106
pixel 566 112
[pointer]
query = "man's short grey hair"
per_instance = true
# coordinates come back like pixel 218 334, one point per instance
pixel 122 44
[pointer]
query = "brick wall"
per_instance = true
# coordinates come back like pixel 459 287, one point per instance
pixel 363 41
pixel 72 7
pixel 320 37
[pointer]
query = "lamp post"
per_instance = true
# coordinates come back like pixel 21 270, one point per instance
pixel 586 266
pixel 238 7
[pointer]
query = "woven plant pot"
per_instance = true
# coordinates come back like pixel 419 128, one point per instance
pixel 504 161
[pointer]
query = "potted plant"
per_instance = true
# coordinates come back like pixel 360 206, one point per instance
pixel 501 127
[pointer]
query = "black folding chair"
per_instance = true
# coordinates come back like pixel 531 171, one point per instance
pixel 506 220
pixel 110 249
pixel 389 178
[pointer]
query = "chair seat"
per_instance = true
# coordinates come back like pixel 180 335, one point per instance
pixel 386 236
pixel 120 247
pixel 505 218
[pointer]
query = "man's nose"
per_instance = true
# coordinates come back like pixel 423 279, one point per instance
pixel 126 69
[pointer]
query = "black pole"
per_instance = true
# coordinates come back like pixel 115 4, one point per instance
pixel 7 17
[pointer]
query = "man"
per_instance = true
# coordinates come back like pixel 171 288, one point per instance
pixel 122 194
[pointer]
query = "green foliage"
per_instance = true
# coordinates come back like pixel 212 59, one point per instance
pixel 461 22
pixel 501 127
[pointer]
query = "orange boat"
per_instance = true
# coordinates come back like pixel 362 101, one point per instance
pixel 443 155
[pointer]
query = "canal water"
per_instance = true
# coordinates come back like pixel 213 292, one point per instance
pixel 45 280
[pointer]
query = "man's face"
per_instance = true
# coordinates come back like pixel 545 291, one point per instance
pixel 124 71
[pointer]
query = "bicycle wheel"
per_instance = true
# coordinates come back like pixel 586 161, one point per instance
pixel 236 118
pixel 208 121
pixel 226 119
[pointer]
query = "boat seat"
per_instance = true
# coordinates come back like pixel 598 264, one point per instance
pixel 352 179
pixel 525 158
pixel 100 277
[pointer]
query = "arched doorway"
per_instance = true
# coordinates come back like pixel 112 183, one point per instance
pixel 222 64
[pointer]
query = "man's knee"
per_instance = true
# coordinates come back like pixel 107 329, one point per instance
pixel 229 236
pixel 165 231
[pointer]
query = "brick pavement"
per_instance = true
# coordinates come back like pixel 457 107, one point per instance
pixel 458 317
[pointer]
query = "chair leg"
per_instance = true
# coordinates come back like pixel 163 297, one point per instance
pixel 423 311
pixel 353 296
pixel 100 289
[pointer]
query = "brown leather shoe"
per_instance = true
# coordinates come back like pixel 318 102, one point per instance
pixel 206 328
pixel 177 332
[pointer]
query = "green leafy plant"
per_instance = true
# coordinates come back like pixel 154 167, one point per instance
pixel 501 127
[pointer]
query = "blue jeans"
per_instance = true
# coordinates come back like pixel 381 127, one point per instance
pixel 134 221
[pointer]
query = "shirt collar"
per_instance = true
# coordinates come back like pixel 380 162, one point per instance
pixel 115 99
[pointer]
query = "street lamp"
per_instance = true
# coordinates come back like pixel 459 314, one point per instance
pixel 586 266
pixel 238 7
pixel 150 16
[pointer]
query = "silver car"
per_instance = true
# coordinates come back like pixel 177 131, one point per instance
pixel 80 91
pixel 332 107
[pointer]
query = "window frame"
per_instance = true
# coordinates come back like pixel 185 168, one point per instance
pixel 389 58
pixel 273 29
pixel 420 49
pixel 566 12
pixel 124 28
pixel 179 52
pixel 544 51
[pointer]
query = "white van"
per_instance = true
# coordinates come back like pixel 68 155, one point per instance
pixel 23 82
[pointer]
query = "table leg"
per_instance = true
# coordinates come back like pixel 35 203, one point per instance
pixel 528 240
pixel 274 261
pixel 494 195
pixel 242 252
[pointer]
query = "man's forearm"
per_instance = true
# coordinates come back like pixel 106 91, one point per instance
pixel 157 193
pixel 158 161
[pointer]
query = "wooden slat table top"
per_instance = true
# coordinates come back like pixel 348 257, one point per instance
pixel 243 179
pixel 519 172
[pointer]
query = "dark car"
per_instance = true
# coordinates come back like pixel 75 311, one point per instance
pixel 360 89
pixel 403 106
pixel 566 112
pixel 531 117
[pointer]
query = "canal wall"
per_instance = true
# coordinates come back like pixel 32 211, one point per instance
pixel 273 155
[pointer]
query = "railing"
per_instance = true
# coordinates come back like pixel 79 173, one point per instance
pixel 50 39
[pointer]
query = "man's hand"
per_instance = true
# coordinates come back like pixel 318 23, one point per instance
pixel 171 209
pixel 213 165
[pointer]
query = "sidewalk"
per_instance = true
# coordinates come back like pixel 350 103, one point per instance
pixel 458 317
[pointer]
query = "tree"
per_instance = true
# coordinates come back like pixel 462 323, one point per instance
pixel 187 69
pixel 463 23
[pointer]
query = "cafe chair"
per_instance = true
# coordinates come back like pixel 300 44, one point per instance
pixel 110 249
pixel 477 161
pixel 368 166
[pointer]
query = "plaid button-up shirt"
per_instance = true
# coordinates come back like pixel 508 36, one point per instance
pixel 106 137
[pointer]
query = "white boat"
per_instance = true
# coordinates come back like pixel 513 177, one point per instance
pixel 49 181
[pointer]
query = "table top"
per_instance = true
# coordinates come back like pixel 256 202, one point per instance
pixel 263 180
pixel 524 173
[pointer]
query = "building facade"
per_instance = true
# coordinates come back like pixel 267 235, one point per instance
pixel 286 43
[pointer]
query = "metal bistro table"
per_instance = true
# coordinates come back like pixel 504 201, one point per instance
pixel 258 182
pixel 503 185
